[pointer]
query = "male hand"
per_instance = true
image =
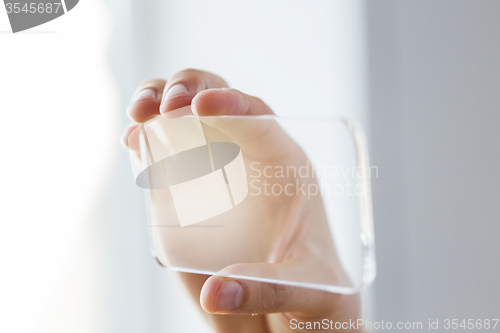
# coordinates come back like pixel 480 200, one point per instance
pixel 228 303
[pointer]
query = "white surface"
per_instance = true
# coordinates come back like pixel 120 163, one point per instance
pixel 201 198
pixel 54 86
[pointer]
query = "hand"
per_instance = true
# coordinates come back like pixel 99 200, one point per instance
pixel 305 244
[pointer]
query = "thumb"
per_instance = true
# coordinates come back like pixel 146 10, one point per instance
pixel 225 295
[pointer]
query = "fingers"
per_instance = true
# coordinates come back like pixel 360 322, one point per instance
pixel 130 138
pixel 239 296
pixel 184 85
pixel 208 95
pixel 222 324
pixel 146 100
pixel 258 137
pixel 154 95
pixel 231 102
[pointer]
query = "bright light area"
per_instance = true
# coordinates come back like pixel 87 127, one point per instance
pixel 59 128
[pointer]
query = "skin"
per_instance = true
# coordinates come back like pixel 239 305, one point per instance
pixel 226 303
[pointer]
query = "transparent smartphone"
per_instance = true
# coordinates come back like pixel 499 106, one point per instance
pixel 291 193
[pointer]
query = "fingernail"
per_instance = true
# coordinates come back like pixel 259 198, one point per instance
pixel 144 94
pixel 229 297
pixel 176 90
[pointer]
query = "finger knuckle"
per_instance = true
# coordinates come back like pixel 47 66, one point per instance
pixel 261 104
pixel 188 76
pixel 279 295
pixel 258 100
pixel 190 72
pixel 152 81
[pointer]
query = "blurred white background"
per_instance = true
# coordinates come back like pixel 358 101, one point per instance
pixel 58 101
pixel 423 78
